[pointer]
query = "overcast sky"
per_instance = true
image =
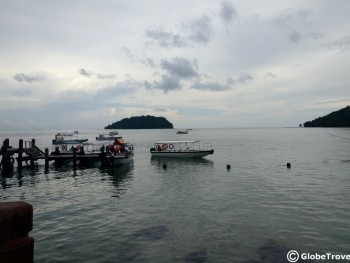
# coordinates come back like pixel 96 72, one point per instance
pixel 83 64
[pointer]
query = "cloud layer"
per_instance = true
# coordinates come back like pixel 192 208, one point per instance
pixel 205 63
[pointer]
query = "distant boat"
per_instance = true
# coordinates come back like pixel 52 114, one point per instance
pixel 67 138
pixel 182 132
pixel 108 137
pixel 181 149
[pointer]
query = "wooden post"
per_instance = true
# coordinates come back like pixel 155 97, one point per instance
pixel 3 149
pixel 46 160
pixel 102 156
pixel 32 159
pixel 20 154
pixel 16 221
pixel 7 143
pixel 74 159
pixel 6 161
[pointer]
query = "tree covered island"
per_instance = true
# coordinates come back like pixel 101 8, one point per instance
pixel 141 122
pixel 340 118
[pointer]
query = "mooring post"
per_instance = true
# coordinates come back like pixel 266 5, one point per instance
pixel 31 158
pixel 102 156
pixel 3 149
pixel 7 143
pixel 74 159
pixel 16 221
pixel 6 162
pixel 20 154
pixel 46 159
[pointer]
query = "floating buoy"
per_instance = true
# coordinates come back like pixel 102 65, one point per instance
pixel 228 167
pixel 288 165
pixel 164 166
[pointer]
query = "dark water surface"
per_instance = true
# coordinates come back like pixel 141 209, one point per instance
pixel 195 210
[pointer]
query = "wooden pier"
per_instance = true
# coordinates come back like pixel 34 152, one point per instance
pixel 28 152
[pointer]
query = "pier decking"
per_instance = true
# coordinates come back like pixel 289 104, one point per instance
pixel 28 152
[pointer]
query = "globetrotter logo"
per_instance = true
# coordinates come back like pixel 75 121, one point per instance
pixel 293 256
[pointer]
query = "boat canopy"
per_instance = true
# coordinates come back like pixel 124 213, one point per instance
pixel 173 142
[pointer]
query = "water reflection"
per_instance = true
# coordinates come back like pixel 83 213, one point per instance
pixel 19 177
pixel 175 162
pixel 120 177
pixel 273 251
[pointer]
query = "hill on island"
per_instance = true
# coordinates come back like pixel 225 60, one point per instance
pixel 141 122
pixel 340 118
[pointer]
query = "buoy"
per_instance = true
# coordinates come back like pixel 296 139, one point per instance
pixel 164 166
pixel 228 167
pixel 288 165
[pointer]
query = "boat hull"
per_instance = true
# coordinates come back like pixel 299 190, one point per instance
pixel 181 154
pixel 120 160
pixel 59 142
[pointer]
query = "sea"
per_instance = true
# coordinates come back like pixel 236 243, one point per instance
pixel 241 204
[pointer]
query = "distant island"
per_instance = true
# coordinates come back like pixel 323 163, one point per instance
pixel 141 122
pixel 340 118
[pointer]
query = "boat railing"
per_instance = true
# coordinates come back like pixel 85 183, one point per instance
pixel 207 146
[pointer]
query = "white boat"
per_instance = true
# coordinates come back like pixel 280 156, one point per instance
pixel 181 149
pixel 108 137
pixel 67 138
pixel 120 152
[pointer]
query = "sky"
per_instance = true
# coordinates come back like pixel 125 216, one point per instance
pixel 84 64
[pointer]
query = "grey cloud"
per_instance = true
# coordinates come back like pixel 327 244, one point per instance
pixel 314 35
pixel 21 77
pixel 230 83
pixel 102 76
pixel 210 86
pixel 128 53
pixel 160 109
pixel 22 92
pixel 244 78
pixel 162 38
pixel 296 22
pixel 85 73
pixel 294 36
pixel 340 45
pixel 145 60
pixel 167 83
pixel 227 12
pixel 241 79
pixel 89 74
pixel 119 88
pixel 148 62
pixel 200 30
pixel 180 67
pixel 270 75
pixel 288 17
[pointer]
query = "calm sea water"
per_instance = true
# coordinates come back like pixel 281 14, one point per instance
pixel 195 210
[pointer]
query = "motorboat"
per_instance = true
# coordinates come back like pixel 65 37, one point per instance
pixel 109 136
pixel 67 138
pixel 181 149
pixel 182 132
pixel 120 152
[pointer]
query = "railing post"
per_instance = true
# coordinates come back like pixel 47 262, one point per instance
pixel 32 159
pixel 74 159
pixel 20 154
